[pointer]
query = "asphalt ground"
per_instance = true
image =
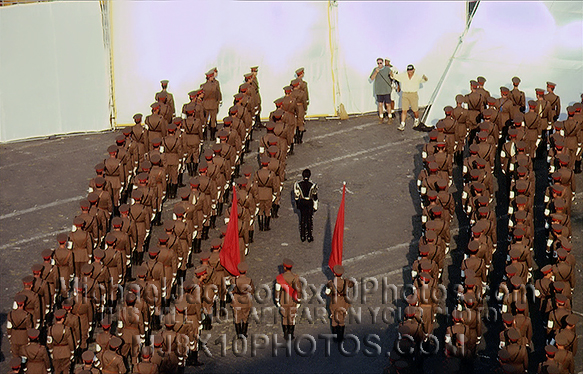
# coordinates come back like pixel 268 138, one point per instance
pixel 42 182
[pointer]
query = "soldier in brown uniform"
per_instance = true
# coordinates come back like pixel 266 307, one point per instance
pixel 174 342
pixel 146 366
pixel 50 273
pixel 155 124
pixel 102 339
pixel 60 343
pixel 166 360
pixel 337 290
pixel 130 326
pixel 140 136
pixel 563 356
pixel 518 98
pixel 32 303
pixel 140 219
pixel 173 150
pixel 301 106
pixel 17 324
pixel 36 355
pixel 81 244
pixel 110 361
pixel 267 185
pixel 114 173
pixel 152 293
pixel 41 288
pixel 242 290
pixel 169 261
pixel 89 365
pixel 211 101
pixel 554 101
pixel 15 365
pixel 169 96
pixel 476 103
pixel 543 109
pixel 288 293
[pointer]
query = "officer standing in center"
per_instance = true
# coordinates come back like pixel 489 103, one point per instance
pixel 306 196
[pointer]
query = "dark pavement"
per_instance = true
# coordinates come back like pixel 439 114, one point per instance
pixel 43 180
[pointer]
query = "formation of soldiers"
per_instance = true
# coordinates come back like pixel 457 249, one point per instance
pixel 106 283
pixel 497 140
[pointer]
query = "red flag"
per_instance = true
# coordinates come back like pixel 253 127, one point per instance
pixel 230 256
pixel 338 237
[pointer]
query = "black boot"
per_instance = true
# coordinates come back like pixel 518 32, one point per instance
pixel 194 359
pixel 198 245
pixel 275 210
pixel 335 333
pixel 158 219
pixel 237 329
pixel 267 219
pixel 297 136
pixel 291 148
pixel 260 221
pixel 180 181
pixel 219 209
pixel 213 222
pixel 291 331
pixel 251 232
pixel 578 167
pixel 302 136
pixel 285 331
pixel 194 168
pixel 244 326
pixel 340 332
pixel 258 124
pixel 206 232
pixel 223 308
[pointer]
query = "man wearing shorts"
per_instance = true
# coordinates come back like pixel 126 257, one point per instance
pixel 409 83
pixel 381 79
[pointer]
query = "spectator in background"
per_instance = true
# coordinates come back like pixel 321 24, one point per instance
pixel 409 83
pixel 381 79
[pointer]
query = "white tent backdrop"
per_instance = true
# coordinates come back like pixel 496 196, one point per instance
pixel 181 40
pixel 53 75
pixel 536 41
pixel 158 40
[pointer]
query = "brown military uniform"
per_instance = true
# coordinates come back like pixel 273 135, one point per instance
pixel 18 322
pixel 37 358
pixel 61 345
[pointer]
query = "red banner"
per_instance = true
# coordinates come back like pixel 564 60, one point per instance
pixel 230 256
pixel 338 237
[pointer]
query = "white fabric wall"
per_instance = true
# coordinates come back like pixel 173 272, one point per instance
pixel 181 40
pixel 159 40
pixel 536 41
pixel 424 34
pixel 53 71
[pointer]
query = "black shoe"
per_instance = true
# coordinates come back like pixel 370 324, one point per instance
pixel 310 239
pixel 303 238
pixel 251 232
pixel 213 222
pixel 291 331
pixel 266 228
pixel 285 331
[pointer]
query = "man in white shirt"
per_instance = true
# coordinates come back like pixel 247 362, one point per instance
pixel 410 82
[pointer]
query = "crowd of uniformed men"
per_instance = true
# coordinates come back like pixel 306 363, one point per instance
pixel 497 139
pixel 105 282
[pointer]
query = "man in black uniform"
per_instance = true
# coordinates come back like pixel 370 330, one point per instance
pixel 306 196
